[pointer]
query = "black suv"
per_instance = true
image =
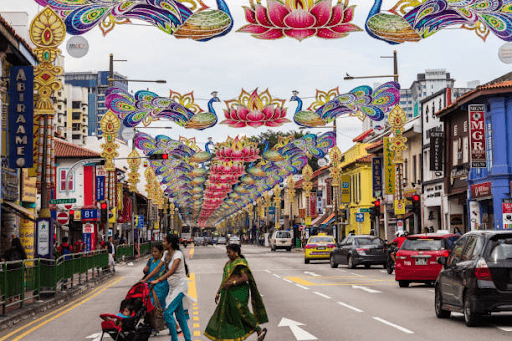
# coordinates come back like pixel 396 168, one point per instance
pixel 477 276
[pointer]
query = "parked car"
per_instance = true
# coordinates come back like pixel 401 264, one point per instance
pixel 186 238
pixel 318 247
pixel 221 240
pixel 215 240
pixel 234 240
pixel 476 278
pixel 199 241
pixel 361 249
pixel 208 240
pixel 281 240
pixel 416 261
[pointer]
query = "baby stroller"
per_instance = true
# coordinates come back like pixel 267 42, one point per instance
pixel 136 327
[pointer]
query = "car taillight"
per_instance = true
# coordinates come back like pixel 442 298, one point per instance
pixel 330 245
pixel 482 271
pixel 400 256
pixel 310 246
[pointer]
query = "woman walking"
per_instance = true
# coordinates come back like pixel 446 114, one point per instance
pixel 154 269
pixel 177 299
pixel 232 319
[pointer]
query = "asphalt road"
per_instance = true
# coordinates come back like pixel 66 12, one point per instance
pixel 303 301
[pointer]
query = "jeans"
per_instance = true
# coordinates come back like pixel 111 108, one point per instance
pixel 176 307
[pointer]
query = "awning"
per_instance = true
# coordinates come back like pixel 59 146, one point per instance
pixel 328 220
pixel 19 210
pixel 318 221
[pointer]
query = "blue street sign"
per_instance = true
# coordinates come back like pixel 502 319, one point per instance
pixel 90 214
pixel 359 217
pixel 272 210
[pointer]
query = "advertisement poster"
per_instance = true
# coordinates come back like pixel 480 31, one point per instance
pixel 44 238
pixel 477 135
pixel 27 235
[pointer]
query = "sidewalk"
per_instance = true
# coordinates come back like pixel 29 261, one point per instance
pixel 31 310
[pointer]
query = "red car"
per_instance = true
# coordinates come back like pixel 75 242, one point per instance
pixel 416 261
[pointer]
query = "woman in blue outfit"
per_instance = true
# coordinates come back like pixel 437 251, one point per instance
pixel 154 269
pixel 177 300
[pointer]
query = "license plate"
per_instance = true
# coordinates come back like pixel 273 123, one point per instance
pixel 421 261
pixel 321 248
pixel 283 242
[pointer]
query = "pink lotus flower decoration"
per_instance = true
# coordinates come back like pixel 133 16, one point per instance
pixel 299 19
pixel 255 110
pixel 237 150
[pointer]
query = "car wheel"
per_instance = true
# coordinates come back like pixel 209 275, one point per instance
pixel 332 262
pixel 470 317
pixel 306 261
pixel 403 284
pixel 385 265
pixel 440 312
pixel 350 263
pixel 389 267
pixel 289 249
pixel 272 249
pixel 367 266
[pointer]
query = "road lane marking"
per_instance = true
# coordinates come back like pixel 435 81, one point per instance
pixel 430 290
pixel 301 286
pixel 350 307
pixel 371 291
pixel 268 271
pixel 353 273
pixel 191 253
pixel 320 294
pixel 301 281
pixel 384 271
pixel 108 285
pixel 299 333
pixel 287 280
pixel 342 270
pixel 276 276
pixel 48 314
pixel 312 274
pixel 402 329
pixel 505 329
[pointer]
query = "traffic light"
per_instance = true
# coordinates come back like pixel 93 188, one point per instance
pixel 158 156
pixel 104 210
pixel 71 215
pixel 375 212
pixel 416 207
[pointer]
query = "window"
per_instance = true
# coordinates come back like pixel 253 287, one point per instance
pixel 76 115
pixel 465 149
pixel 473 248
pixel 455 160
pixel 70 185
pixel 456 254
pixel 359 185
pixel 75 105
pixel 455 130
pixel 414 169
pixel 465 126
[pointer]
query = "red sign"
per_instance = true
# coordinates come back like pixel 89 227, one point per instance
pixel 481 190
pixel 62 218
pixel 477 135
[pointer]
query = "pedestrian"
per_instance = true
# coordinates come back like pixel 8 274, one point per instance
pixel 232 319
pixel 15 252
pixel 79 246
pixel 65 248
pixel 154 269
pixel 111 249
pixel 177 300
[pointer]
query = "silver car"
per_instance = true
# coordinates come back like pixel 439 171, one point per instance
pixel 234 240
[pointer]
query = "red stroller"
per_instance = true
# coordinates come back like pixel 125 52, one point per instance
pixel 136 327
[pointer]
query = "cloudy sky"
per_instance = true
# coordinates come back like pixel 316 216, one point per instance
pixel 239 61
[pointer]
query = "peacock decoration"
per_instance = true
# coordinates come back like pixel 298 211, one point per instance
pixel 183 19
pixel 424 18
pixel 146 106
pixel 363 102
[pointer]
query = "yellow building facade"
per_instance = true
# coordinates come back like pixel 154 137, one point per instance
pixel 357 164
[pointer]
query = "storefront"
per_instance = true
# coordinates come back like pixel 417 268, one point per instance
pixel 433 206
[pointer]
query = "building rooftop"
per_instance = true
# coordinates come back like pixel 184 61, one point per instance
pixel 65 149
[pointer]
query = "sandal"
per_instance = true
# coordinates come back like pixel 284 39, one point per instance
pixel 262 334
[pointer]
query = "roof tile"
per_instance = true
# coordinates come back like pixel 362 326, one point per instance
pixel 65 149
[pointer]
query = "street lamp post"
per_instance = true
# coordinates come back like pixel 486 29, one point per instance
pixel 290 193
pixel 335 155
pixel 277 203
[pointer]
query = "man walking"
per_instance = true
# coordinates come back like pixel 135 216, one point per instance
pixel 111 249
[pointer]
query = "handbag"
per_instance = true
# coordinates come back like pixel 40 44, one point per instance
pixel 156 317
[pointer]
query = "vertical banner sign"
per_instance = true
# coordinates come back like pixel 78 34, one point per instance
pixel 44 238
pixel 436 151
pixel 100 183
pixel 21 117
pixel 507 214
pixel 312 205
pixel 377 176
pixel 88 231
pixel 389 168
pixel 345 189
pixel 477 135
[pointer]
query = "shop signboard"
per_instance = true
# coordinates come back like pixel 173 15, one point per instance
pixel 436 151
pixel 477 135
pixel 507 214
pixel 389 168
pixel 44 238
pixel 100 183
pixel 482 190
pixel 377 176
pixel 345 189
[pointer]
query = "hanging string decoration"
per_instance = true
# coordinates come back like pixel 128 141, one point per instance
pixel 255 110
pixel 413 20
pixel 146 107
pixel 299 19
pixel 361 102
pixel 190 19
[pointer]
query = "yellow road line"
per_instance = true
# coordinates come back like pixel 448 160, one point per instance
pixel 191 252
pixel 67 310
pixel 358 281
pixel 192 289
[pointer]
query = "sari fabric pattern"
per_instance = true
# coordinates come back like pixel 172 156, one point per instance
pixel 232 319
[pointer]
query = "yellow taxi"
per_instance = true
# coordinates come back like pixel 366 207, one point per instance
pixel 319 247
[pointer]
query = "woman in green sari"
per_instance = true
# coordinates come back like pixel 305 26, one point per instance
pixel 232 319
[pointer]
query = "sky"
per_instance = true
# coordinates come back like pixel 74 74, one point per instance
pixel 238 61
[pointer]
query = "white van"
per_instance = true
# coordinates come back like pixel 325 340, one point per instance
pixel 281 240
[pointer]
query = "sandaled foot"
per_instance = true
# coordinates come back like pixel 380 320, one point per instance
pixel 262 334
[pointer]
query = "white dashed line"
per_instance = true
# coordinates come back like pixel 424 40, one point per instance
pixel 312 274
pixel 402 329
pixel 353 273
pixel 276 276
pixel 287 280
pixel 268 271
pixel 342 270
pixel 350 307
pixel 384 271
pixel 505 329
pixel 320 294
pixel 430 290
pixel 301 286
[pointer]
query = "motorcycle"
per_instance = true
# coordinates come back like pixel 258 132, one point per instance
pixel 390 264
